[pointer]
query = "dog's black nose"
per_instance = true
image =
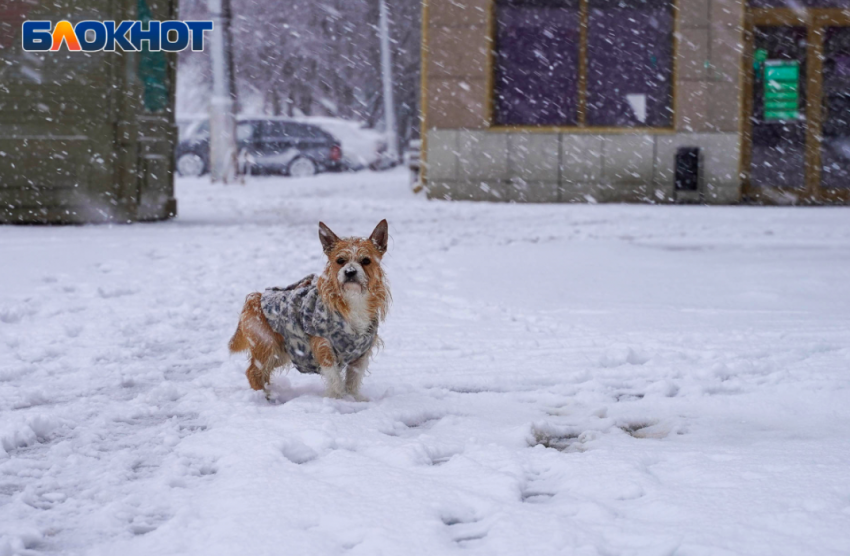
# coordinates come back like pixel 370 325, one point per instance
pixel 350 272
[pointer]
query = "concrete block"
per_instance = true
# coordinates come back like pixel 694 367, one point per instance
pixel 628 159
pixel 469 190
pixel 576 192
pixel 581 158
pixel 458 13
pixel 722 162
pixel 692 55
pixel 457 103
pixel 442 154
pixel 727 13
pixel 627 193
pixel 727 46
pixel 693 14
pixel 458 52
pixel 724 111
pixel 439 189
pixel 533 156
pixel 692 106
pixel 534 191
pixel 482 156
pixel 722 195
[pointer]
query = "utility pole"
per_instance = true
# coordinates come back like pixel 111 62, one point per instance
pixel 387 77
pixel 223 153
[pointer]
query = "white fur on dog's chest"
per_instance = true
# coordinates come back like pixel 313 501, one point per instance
pixel 359 318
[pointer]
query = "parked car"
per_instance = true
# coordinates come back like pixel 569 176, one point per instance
pixel 362 147
pixel 265 145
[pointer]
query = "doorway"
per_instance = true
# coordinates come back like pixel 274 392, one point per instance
pixel 797 106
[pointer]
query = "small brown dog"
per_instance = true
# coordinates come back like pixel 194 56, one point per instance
pixel 323 324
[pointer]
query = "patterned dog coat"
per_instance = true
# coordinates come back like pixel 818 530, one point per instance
pixel 297 312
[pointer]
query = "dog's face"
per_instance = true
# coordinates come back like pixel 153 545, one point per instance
pixel 355 263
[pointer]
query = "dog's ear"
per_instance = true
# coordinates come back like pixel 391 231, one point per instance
pixel 380 236
pixel 327 237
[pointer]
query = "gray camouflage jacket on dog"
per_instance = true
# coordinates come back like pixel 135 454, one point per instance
pixel 297 312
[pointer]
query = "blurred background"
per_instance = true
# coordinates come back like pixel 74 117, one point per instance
pixel 650 101
pixel 303 88
pixel 311 59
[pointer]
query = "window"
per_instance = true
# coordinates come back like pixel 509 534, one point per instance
pixel 619 73
pixel 244 131
pixel 273 130
pixel 629 63
pixel 537 62
pixel 281 130
pixel 306 131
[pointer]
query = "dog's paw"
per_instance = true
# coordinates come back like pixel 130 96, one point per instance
pixel 358 397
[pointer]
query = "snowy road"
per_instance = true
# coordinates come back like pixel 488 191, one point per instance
pixel 589 380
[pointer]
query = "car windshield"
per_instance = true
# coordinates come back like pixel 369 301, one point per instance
pixel 200 131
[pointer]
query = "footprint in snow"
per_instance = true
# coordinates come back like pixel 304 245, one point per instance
pixel 13 314
pixel 416 423
pixel 563 439
pixel 142 524
pixel 464 528
pixel 628 396
pixel 297 452
pixel 648 429
pixel 109 293
pixel 439 457
pixel 535 489
pixel 436 455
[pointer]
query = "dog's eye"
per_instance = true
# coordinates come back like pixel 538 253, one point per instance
pixel 340 261
pixel 366 261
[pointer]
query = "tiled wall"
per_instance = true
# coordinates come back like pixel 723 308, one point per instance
pixel 466 160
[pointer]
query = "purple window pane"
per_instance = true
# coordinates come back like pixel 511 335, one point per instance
pixel 630 63
pixel 842 66
pixel 536 78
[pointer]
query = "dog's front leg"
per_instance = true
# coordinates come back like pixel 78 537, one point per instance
pixel 354 377
pixel 324 354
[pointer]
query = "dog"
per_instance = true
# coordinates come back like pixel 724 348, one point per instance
pixel 323 324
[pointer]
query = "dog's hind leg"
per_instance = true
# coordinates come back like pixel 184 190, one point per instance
pixel 281 359
pixel 256 376
pixel 324 354
pixel 264 345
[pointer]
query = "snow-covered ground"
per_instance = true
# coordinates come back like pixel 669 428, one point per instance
pixel 573 379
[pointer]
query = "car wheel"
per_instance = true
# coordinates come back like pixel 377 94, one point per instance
pixel 190 165
pixel 302 167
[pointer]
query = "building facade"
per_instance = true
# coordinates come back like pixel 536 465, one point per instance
pixel 85 137
pixel 716 101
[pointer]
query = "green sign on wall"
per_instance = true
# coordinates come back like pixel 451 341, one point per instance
pixel 781 90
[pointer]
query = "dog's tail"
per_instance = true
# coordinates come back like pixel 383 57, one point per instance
pixel 239 341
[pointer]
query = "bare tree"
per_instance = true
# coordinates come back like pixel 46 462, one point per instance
pixel 313 58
